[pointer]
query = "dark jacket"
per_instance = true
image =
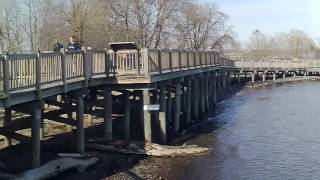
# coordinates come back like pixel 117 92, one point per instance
pixel 57 47
pixel 73 47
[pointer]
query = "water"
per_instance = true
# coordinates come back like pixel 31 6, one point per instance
pixel 265 133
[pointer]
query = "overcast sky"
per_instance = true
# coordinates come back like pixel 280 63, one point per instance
pixel 271 16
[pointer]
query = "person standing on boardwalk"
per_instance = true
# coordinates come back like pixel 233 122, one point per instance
pixel 57 46
pixel 73 44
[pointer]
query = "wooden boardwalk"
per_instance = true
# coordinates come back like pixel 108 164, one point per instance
pixel 278 68
pixel 169 89
pixel 164 85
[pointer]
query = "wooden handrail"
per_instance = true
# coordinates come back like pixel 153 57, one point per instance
pixel 21 71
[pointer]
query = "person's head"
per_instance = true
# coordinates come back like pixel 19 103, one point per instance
pixel 72 39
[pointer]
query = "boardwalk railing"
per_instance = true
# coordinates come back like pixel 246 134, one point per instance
pixel 279 65
pixel 43 70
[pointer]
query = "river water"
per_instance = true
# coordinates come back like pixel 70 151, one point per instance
pixel 260 133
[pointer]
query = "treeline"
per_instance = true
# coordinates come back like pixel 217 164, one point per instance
pixel 31 25
pixel 291 45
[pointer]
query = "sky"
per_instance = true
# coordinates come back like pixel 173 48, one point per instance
pixel 271 16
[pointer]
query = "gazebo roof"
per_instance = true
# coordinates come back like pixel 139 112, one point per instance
pixel 122 45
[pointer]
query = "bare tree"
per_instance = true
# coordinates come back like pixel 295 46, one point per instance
pixel 53 23
pixel 300 43
pixel 259 45
pixel 140 21
pixel 150 23
pixel 33 22
pixel 293 45
pixel 11 35
pixel 201 27
pixel 77 18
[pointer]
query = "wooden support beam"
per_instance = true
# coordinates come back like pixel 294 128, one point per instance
pixel 214 88
pixel 69 107
pixel 305 74
pixel 183 99
pixel 80 127
pixel 224 81
pixel 253 77
pixel 177 106
pixel 154 100
pixel 206 92
pixel 92 104
pixel 162 114
pixel 146 117
pixel 7 121
pixel 54 102
pixel 126 98
pixel 107 113
pixel 169 103
pixel 219 83
pixel 210 93
pixel 55 116
pixel 188 101
pixel 35 133
pixel 17 136
pixel 195 97
pixel 228 80
pixel 202 99
pixel 42 133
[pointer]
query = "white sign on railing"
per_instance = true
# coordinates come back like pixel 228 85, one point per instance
pixel 151 107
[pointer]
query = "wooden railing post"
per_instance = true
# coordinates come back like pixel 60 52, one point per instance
pixel 64 71
pixel 170 59
pixel 114 62
pixel 200 58
pixel 194 59
pixel 107 63
pixel 6 83
pixel 137 62
pixel 179 58
pixel 242 64
pixel 87 65
pixel 159 61
pixel 38 75
pixel 146 61
pixel 206 58
pixel 188 58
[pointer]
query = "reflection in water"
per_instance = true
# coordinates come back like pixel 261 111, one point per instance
pixel 265 133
